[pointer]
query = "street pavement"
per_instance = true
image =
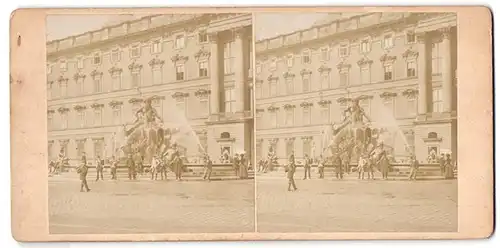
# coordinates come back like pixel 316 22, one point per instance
pixel 331 205
pixel 122 207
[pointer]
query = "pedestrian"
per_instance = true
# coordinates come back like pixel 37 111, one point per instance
pixel 442 161
pixel 345 158
pixel 99 167
pixel 339 167
pixel 290 170
pixel 243 167
pixel 307 167
pixel 369 167
pixel 413 168
pixel 208 168
pixel 131 168
pixel 321 167
pixel 83 170
pixel 361 167
pixel 448 165
pixel 113 167
pixel 383 163
pixel 138 161
pixel 236 164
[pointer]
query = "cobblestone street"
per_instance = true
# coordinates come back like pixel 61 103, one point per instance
pixel 151 207
pixel 327 205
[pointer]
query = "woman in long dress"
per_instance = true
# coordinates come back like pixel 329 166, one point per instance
pixel 243 168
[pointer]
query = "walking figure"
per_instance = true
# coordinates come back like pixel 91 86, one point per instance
pixel 208 168
pixel 113 166
pixel 290 170
pixel 361 167
pixel 131 168
pixel 82 170
pixel 413 168
pixel 307 167
pixel 339 167
pixel 99 167
pixel 321 167
pixel 383 163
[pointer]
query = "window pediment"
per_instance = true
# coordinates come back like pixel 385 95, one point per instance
pixel 410 93
pixel 179 59
pixel 79 107
pixel 156 62
pixel 410 54
pixel 388 95
pixel 78 76
pixel 387 59
pixel 135 66
pixel 324 68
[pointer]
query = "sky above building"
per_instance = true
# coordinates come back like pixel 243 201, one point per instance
pixel 267 24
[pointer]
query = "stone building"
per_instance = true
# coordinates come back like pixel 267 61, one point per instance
pixel 401 65
pixel 197 68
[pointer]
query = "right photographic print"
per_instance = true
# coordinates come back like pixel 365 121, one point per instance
pixel 356 127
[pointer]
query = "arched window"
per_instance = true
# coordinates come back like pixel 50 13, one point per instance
pixel 432 135
pixel 225 135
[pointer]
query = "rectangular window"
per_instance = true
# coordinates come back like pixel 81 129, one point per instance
pixel 411 107
pixel 115 55
pixel 436 58
pixel 410 37
pixel 325 114
pixel 306 145
pixel 135 51
pixel 289 60
pixel 411 69
pixel 273 88
pixel 156 47
pixel 203 69
pixel 325 54
pixel 258 90
pixel 258 68
pixel 289 147
pixel 258 120
pixel 365 46
pixel 117 115
pixel 289 86
pixel 97 85
pixel 344 50
pixel 97 117
pixel 64 120
pixel 64 89
pixel 365 75
pixel 289 117
pixel 81 118
pixel 181 106
pixel 179 41
pixel 273 116
pixel 228 58
pixel 437 101
pixel 306 116
pixel 50 121
pixel 79 63
pixel 80 148
pixel 63 65
pixel 229 100
pixel 344 77
pixel 389 105
pixel 202 37
pixel 157 75
pixel 388 41
pixel 273 64
pixel 325 81
pixel 116 81
pixel 96 59
pixel 204 106
pixel 306 86
pixel 306 57
pixel 135 79
pixel 179 72
pixel 388 72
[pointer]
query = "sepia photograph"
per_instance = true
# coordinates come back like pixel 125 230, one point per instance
pixel 356 127
pixel 150 123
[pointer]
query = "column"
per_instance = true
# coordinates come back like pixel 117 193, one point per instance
pixel 423 73
pixel 239 69
pixel 214 74
pixel 447 72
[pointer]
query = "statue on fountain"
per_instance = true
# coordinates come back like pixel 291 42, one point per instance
pixel 146 135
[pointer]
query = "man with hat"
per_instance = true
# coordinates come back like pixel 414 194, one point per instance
pixel 290 170
pixel 208 167
pixel 83 170
pixel 413 167
pixel 131 167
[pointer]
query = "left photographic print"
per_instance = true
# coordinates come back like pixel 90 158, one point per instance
pixel 150 123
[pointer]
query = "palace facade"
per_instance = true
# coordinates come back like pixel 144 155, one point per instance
pixel 197 68
pixel 402 67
